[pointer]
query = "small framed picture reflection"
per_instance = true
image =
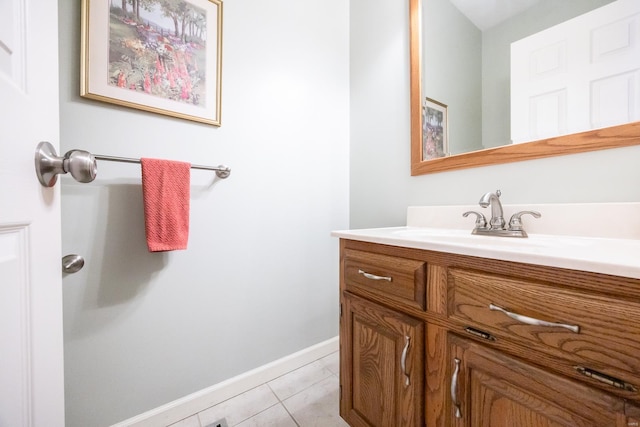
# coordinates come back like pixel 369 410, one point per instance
pixel 435 133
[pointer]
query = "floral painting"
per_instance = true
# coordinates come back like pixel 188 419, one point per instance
pixel 158 47
pixel 163 55
pixel 434 130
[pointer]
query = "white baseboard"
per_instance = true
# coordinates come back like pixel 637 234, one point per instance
pixel 184 407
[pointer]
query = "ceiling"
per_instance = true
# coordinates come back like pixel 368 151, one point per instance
pixel 487 13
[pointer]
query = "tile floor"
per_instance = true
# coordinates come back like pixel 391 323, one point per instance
pixel 306 397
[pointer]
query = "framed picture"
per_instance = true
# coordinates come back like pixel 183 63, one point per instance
pixel 435 133
pixel 162 56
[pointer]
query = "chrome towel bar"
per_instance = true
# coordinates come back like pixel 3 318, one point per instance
pixel 221 171
pixel 82 164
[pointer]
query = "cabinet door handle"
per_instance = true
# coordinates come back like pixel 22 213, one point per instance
pixel 373 276
pixel 403 360
pixel 532 321
pixel 454 388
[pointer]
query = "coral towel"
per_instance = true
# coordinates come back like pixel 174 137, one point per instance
pixel 166 193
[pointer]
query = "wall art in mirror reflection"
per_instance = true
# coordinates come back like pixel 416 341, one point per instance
pixel 435 134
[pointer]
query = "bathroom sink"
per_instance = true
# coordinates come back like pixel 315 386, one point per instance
pixel 577 236
pixel 424 232
pixel 596 254
pixel 464 237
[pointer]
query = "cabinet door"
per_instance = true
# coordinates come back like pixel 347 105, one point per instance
pixel 382 365
pixel 490 389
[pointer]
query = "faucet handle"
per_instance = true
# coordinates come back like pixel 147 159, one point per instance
pixel 481 221
pixel 515 223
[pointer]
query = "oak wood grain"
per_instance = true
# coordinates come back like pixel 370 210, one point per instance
pixel 498 390
pixel 436 391
pixel 375 387
pixel 609 335
pixel 437 289
pixel 406 277
pixel 457 290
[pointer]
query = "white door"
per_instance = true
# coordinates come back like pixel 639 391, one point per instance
pixel 31 357
pixel 580 75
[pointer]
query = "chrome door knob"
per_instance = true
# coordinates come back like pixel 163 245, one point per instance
pixel 81 165
pixel 72 263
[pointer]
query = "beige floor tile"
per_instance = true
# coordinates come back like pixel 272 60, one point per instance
pixel 276 416
pixel 298 380
pixel 241 407
pixel 318 405
pixel 332 362
pixel 309 394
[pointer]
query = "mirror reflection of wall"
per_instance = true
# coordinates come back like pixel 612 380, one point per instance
pixel 466 65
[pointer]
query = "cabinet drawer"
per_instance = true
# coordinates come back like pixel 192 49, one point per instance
pixel 593 331
pixel 399 279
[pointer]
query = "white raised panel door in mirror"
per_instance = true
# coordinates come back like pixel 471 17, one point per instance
pixel 31 356
pixel 580 75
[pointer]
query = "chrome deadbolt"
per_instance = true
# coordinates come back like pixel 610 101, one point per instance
pixel 72 263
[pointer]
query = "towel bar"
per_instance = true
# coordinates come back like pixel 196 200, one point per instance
pixel 82 165
pixel 221 171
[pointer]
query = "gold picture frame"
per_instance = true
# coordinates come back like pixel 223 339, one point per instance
pixel 162 56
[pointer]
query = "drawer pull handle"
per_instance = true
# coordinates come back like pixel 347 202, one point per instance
pixel 532 321
pixel 403 360
pixel 604 378
pixel 373 276
pixel 454 388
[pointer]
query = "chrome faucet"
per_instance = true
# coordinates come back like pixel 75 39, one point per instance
pixel 496 225
pixel 493 199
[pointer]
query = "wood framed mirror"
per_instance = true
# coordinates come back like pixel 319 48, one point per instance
pixel 592 140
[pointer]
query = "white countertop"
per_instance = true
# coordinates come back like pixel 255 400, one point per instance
pixel 617 253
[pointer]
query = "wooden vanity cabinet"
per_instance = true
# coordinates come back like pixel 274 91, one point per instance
pixel 381 365
pixel 590 330
pixel 494 389
pixel 382 347
pixel 409 314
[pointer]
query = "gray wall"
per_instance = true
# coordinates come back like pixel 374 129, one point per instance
pixel 381 184
pixel 454 43
pixel 259 279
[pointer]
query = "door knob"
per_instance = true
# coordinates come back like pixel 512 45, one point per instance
pixel 72 263
pixel 80 164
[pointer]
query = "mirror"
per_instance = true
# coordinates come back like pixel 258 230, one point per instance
pixel 603 138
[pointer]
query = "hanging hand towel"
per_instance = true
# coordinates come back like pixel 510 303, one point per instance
pixel 166 193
